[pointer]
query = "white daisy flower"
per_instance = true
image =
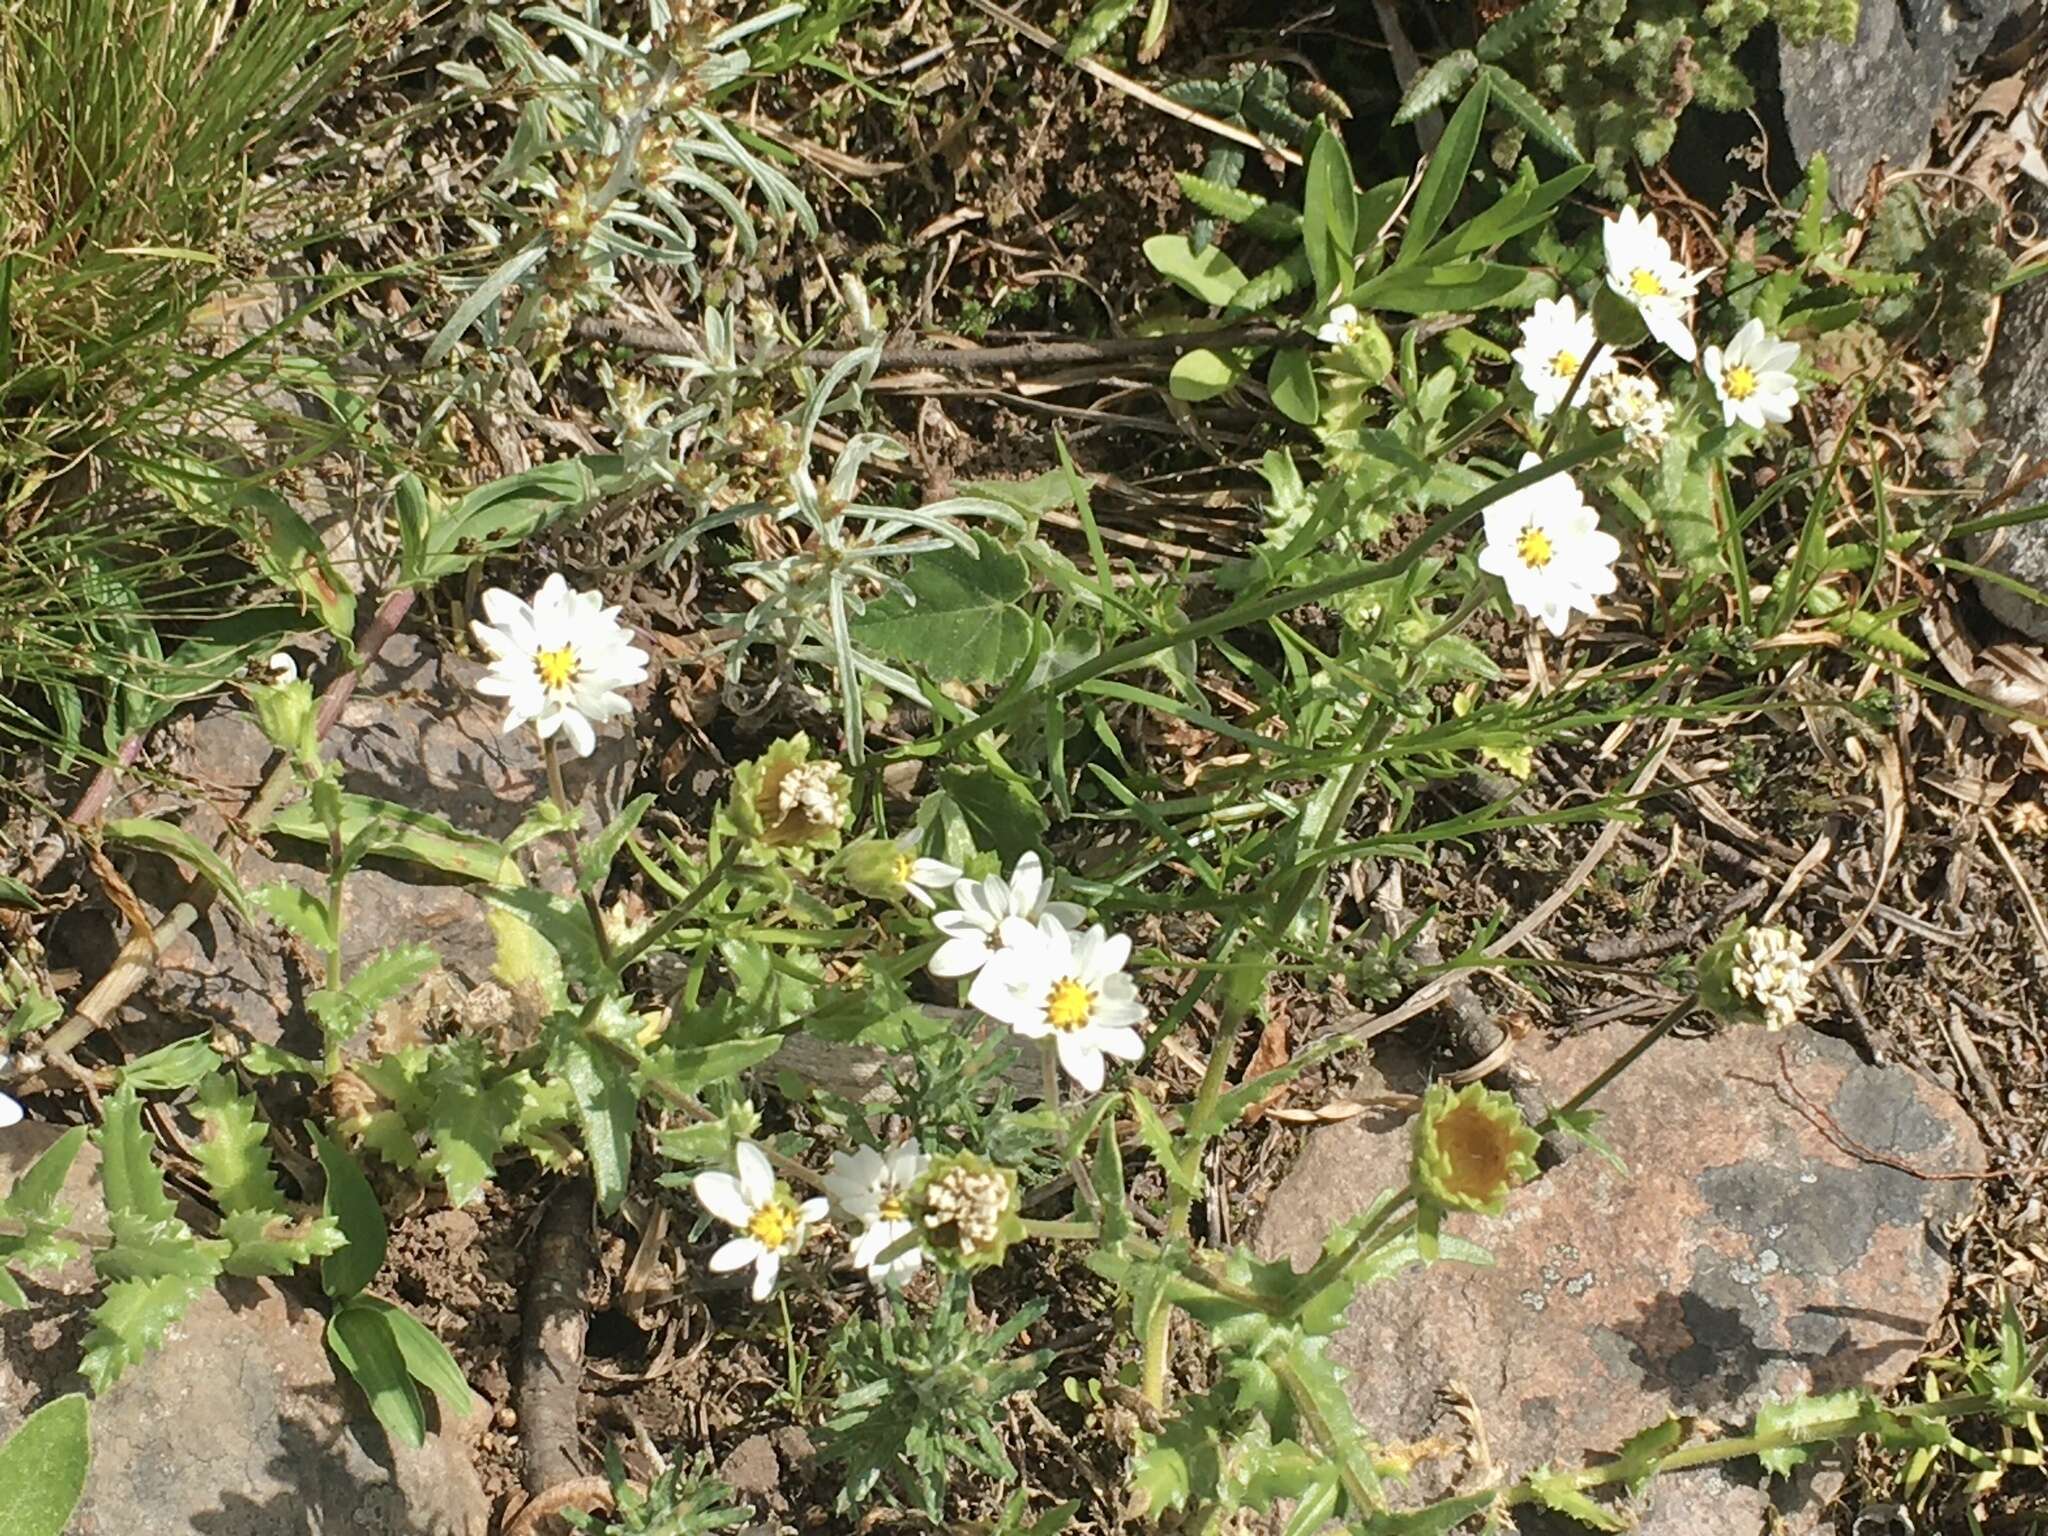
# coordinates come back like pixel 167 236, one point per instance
pixel 1546 544
pixel 873 1188
pixel 1340 326
pixel 1754 377
pixel 1642 270
pixel 1047 981
pixel 560 662
pixel 974 932
pixel 772 1225
pixel 917 875
pixel 1556 341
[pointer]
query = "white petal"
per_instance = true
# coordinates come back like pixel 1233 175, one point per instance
pixel 736 1254
pixel 958 957
pixel 1027 885
pixel 505 610
pixel 757 1175
pixel 1082 1061
pixel 720 1194
pixel 1127 1043
pixel 581 736
pixel 812 1211
pixel 765 1272
pixel 1066 913
pixel 11 1111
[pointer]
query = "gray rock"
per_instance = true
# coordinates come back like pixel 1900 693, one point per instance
pixel 1880 98
pixel 415 734
pixel 1745 1255
pixel 238 1426
pixel 2016 411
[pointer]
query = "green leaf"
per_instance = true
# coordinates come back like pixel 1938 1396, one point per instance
pixel 1106 1178
pixel 1262 216
pixel 693 1068
pixel 290 553
pixel 1444 181
pixel 606 1103
pixel 1095 28
pixel 467 1125
pixel 276 1242
pixel 1201 375
pixel 1517 211
pixel 32 1205
pixel 364 1341
pixel 1273 284
pixel 1513 97
pixel 1645 1450
pixel 379 829
pixel 215 652
pixel 427 1359
pixel 1159 1142
pixel 1208 274
pixel 132 1319
pixel 233 1153
pixel 353 1206
pixel 180 844
pixel 172 1067
pixel 298 912
pixel 1000 809
pixel 1516 28
pixel 1291 380
pixel 42 1467
pixel 1329 220
pixel 1437 290
pixel 960 620
pixel 1555 1491
pixel 128 1170
pixel 14 894
pixel 1437 84
pixel 596 865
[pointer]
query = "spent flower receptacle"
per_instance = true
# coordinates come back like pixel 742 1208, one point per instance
pixel 1632 404
pixel 1471 1148
pixel 788 800
pixel 1757 975
pixel 966 1207
pixel 560 662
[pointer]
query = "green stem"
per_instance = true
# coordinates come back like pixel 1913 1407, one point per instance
pixel 1621 1063
pixel 679 914
pixel 1375 1235
pixel 572 835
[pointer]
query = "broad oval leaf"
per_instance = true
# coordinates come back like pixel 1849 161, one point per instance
pixel 1292 383
pixel 42 1467
pixel 1208 274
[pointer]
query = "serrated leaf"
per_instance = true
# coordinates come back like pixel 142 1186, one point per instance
pixel 1208 274
pixel 1273 284
pixel 960 620
pixel 1800 1419
pixel 1645 1450
pixel 43 1465
pixel 1555 1491
pixel 1095 28
pixel 32 1205
pixel 381 829
pixel 1201 375
pixel 352 1205
pixel 1437 84
pixel 1291 381
pixel 606 1104
pixel 275 1242
pixel 298 912
pixel 1159 1142
pixel 1516 28
pixel 1262 216
pixel 180 844
pixel 467 1127
pixel 232 1152
pixel 596 865
pixel 128 1171
pixel 132 1319
pixel 362 1338
pixel 998 807
pixel 1513 98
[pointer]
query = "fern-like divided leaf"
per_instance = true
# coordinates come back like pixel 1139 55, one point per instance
pixel 1438 84
pixel 1273 284
pixel 1096 27
pixel 1513 98
pixel 1517 28
pixel 32 1206
pixel 1263 217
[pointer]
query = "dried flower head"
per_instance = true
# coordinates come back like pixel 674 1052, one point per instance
pixel 1471 1148
pixel 967 1207
pixel 1632 403
pixel 785 799
pixel 1756 976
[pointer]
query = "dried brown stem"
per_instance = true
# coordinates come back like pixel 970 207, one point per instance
pixel 551 1340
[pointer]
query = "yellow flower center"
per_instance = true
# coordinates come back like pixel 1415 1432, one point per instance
pixel 1068 1005
pixel 1645 284
pixel 774 1225
pixel 891 1208
pixel 556 668
pixel 901 869
pixel 1534 548
pixel 1739 382
pixel 1565 365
